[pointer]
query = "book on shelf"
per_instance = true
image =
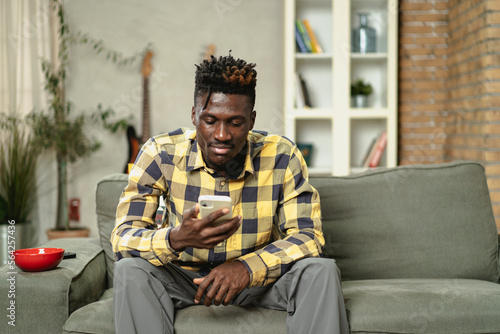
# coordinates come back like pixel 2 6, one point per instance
pixel 368 152
pixel 305 38
pixel 300 41
pixel 316 48
pixel 301 93
pixel 377 149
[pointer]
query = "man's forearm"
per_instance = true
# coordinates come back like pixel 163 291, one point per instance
pixel 268 264
pixel 151 245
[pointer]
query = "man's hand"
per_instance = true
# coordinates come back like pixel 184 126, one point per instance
pixel 222 284
pixel 201 233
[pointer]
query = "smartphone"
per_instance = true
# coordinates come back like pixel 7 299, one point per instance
pixel 69 255
pixel 212 203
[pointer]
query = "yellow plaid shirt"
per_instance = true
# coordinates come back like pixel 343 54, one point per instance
pixel 280 209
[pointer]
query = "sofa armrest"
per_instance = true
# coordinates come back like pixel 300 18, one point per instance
pixel 41 302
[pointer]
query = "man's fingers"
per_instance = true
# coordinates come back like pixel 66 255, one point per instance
pixel 217 234
pixel 217 214
pixel 193 212
pixel 203 284
pixel 229 227
pixel 229 296
pixel 209 293
pixel 198 281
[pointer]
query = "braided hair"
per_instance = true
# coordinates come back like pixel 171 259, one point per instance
pixel 225 75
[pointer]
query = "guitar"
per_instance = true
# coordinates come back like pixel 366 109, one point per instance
pixel 209 51
pixel 135 142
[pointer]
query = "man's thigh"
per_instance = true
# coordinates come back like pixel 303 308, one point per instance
pixel 178 282
pixel 282 294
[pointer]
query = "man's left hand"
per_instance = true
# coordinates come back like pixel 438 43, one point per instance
pixel 222 284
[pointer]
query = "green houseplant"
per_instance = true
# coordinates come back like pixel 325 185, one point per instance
pixel 18 157
pixel 61 129
pixel 360 90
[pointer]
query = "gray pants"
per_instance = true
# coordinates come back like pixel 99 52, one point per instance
pixel 146 296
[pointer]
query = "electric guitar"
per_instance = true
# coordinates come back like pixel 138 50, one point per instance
pixel 209 51
pixel 134 141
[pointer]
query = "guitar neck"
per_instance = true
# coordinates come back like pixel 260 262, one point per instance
pixel 146 132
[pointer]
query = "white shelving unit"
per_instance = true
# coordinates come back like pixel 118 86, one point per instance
pixel 341 134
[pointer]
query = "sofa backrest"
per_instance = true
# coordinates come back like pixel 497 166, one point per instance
pixel 428 221
pixel 108 193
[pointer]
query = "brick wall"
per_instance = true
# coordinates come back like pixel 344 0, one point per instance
pixel 450 84
pixel 474 87
pixel 423 73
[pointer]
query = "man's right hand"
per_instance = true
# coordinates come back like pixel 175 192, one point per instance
pixel 201 233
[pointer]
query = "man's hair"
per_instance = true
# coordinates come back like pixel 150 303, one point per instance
pixel 225 75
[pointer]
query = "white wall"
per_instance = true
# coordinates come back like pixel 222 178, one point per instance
pixel 179 31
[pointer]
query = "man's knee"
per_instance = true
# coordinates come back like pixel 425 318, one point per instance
pixel 132 268
pixel 129 264
pixel 318 267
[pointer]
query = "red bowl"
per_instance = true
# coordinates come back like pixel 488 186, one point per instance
pixel 38 259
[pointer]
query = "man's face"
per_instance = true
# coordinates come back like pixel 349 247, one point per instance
pixel 222 128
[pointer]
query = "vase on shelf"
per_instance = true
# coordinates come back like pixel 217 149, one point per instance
pixel 364 37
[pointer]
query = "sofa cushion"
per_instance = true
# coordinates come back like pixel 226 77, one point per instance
pixel 422 306
pixel 98 318
pixel 429 221
pixel 230 319
pixel 93 318
pixel 108 193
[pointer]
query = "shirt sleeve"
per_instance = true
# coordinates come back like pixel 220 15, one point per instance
pixel 136 233
pixel 299 219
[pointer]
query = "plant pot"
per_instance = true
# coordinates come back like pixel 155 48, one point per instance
pixel 72 233
pixel 360 101
pixel 17 236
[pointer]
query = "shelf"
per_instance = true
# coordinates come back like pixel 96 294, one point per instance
pixel 339 133
pixel 376 75
pixel 319 14
pixel 371 5
pixel 313 56
pixel 369 56
pixel 368 113
pixel 318 132
pixel 377 19
pixel 363 132
pixel 310 113
pixel 318 78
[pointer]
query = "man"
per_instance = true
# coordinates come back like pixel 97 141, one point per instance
pixel 266 255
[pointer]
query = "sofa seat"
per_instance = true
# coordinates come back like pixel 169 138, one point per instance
pixel 93 318
pixel 451 306
pixel 98 318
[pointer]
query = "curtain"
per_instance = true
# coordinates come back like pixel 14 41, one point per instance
pixel 27 30
pixel 25 27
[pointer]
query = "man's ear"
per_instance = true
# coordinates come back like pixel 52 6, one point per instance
pixel 252 117
pixel 193 115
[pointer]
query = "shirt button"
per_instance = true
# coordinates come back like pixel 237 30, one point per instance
pixel 223 183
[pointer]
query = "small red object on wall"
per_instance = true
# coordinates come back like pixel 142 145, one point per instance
pixel 74 209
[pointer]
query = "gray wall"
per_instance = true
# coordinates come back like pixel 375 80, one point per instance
pixel 179 31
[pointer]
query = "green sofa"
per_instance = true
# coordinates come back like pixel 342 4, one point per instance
pixel 417 247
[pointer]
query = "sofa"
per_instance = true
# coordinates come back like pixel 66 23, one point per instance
pixel 417 247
